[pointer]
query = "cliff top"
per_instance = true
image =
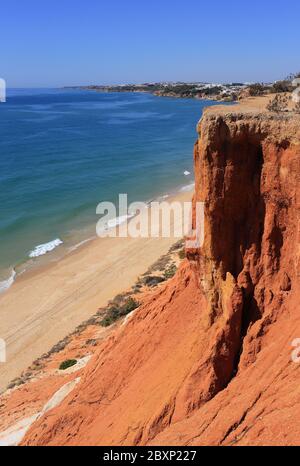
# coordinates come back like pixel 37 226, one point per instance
pixel 251 105
pixel 247 105
pixel 281 124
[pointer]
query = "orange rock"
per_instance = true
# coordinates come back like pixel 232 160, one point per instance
pixel 207 360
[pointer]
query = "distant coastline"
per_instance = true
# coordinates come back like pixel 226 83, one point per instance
pixel 200 91
pixel 218 92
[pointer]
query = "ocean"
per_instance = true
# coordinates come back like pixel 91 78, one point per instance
pixel 62 151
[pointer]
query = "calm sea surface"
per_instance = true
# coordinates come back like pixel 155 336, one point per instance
pixel 64 151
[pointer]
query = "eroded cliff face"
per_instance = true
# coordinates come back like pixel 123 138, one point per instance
pixel 207 360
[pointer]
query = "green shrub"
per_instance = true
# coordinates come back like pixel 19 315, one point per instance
pixel 181 254
pixel 106 321
pixel 176 246
pixel 281 86
pixel 130 305
pixel 153 280
pixel 170 271
pixel 116 311
pixel 67 363
pixel 257 89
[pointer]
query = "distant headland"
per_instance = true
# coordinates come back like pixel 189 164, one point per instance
pixel 228 92
pixel 196 90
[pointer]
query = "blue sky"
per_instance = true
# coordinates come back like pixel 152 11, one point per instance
pixel 55 43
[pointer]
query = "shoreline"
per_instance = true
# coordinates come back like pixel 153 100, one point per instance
pixel 48 302
pixel 212 98
pixel 64 248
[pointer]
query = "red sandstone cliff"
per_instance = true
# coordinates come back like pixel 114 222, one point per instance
pixel 207 360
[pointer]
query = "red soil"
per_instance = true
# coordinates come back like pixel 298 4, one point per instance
pixel 206 360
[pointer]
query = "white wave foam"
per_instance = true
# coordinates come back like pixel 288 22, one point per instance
pixel 188 187
pixel 42 249
pixel 114 222
pixel 4 285
pixel 186 173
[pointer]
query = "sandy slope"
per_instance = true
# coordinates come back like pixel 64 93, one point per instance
pixel 44 306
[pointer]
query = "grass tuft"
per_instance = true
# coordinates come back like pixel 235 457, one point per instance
pixel 67 363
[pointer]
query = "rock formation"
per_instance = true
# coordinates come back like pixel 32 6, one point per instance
pixel 207 359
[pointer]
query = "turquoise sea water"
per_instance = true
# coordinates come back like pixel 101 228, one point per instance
pixel 64 151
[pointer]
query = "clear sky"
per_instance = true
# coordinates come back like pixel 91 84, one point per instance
pixel 69 42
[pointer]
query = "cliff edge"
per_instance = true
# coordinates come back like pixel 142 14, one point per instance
pixel 207 359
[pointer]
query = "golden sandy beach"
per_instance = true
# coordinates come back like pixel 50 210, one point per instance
pixel 43 306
